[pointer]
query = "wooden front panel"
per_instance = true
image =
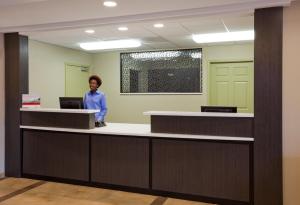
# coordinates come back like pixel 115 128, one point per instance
pixel 120 160
pixel 210 169
pixel 56 154
pixel 268 107
pixel 216 126
pixel 53 119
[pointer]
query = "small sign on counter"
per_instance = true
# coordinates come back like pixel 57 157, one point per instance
pixel 31 101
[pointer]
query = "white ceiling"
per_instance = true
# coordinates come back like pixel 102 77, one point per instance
pixel 4 3
pixel 62 22
pixel 176 33
pixel 25 15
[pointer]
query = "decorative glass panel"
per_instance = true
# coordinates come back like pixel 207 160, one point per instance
pixel 172 71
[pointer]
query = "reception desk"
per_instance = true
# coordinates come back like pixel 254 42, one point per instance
pixel 204 167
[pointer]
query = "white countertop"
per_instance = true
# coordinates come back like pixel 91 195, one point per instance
pixel 139 130
pixel 58 110
pixel 199 114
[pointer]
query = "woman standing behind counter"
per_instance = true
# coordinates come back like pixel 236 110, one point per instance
pixel 95 100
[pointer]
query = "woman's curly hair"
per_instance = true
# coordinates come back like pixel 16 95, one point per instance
pixel 96 78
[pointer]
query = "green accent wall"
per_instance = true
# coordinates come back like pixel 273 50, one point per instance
pixel 130 108
pixel 76 82
pixel 47 78
pixel 47 70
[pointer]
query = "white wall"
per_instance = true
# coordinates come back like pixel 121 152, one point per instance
pixel 130 108
pixel 47 70
pixel 291 104
pixel 2 108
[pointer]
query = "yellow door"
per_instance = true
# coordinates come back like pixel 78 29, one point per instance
pixel 76 80
pixel 231 84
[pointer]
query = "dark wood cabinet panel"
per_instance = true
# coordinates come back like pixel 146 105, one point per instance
pixel 120 160
pixel 56 119
pixel 56 154
pixel 219 126
pixel 211 169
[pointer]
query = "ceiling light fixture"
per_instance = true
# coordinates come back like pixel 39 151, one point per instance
pixel 123 28
pixel 224 37
pixel 158 25
pixel 90 31
pixel 116 44
pixel 110 3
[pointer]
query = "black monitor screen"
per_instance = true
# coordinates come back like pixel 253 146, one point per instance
pixel 71 103
pixel 218 109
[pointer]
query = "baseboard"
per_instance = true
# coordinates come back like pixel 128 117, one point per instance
pixel 2 175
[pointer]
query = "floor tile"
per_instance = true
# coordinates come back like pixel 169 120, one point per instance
pixel 58 194
pixel 10 185
pixel 50 193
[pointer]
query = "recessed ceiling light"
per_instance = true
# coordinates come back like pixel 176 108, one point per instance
pixel 158 25
pixel 224 37
pixel 110 3
pixel 123 28
pixel 90 31
pixel 104 45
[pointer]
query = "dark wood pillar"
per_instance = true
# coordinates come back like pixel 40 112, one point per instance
pixel 16 84
pixel 268 107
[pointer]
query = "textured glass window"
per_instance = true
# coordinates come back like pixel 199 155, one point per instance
pixel 172 71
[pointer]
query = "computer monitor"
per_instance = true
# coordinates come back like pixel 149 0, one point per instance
pixel 226 109
pixel 71 103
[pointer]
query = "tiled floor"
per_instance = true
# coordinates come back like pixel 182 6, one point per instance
pixel 32 192
pixel 10 185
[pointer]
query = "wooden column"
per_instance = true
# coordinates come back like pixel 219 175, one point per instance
pixel 16 84
pixel 268 107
